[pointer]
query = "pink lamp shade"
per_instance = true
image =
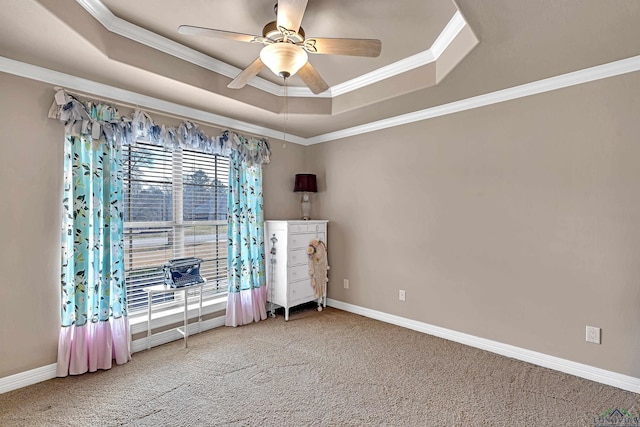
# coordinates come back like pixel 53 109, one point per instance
pixel 306 182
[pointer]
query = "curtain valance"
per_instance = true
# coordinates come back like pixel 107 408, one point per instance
pixel 102 121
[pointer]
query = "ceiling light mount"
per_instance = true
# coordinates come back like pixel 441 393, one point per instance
pixel 272 32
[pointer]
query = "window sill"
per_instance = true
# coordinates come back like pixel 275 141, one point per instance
pixel 165 316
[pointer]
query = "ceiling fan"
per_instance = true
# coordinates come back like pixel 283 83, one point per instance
pixel 285 47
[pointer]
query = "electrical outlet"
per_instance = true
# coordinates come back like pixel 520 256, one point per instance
pixel 593 334
pixel 402 295
pixel 346 283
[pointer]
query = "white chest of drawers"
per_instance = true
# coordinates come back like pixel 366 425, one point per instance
pixel 288 275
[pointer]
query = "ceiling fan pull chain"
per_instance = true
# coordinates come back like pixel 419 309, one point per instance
pixel 284 116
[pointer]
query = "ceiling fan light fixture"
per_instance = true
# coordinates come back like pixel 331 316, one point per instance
pixel 284 59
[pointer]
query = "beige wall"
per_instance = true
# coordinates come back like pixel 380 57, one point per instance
pixel 30 214
pixel 280 202
pixel 30 189
pixel 517 222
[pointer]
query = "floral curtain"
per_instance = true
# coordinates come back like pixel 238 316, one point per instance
pixel 95 328
pixel 247 296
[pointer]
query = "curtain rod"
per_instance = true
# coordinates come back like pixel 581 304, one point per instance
pixel 113 101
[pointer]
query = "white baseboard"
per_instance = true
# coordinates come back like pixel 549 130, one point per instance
pixel 44 373
pixel 602 376
pixel 23 379
pixel 592 373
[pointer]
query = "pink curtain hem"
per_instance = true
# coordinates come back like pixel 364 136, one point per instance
pixel 246 306
pixel 93 346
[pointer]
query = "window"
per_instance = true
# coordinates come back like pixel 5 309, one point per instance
pixel 175 205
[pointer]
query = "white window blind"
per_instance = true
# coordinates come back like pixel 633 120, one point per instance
pixel 175 206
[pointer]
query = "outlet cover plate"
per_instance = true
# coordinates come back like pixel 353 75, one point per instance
pixel 402 295
pixel 593 334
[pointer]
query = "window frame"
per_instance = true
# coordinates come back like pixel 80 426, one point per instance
pixel 215 291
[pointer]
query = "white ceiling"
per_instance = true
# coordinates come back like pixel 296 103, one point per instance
pixel 88 43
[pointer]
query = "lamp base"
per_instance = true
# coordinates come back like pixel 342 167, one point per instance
pixel 305 203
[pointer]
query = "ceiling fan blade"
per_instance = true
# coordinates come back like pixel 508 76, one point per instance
pixel 290 13
pixel 247 74
pixel 351 47
pixel 200 31
pixel 311 78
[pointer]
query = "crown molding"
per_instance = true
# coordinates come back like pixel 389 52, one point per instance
pixel 398 67
pixel 450 32
pixel 137 100
pixel 448 35
pixel 598 72
pixel 138 34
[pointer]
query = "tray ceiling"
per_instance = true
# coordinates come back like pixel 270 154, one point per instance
pixel 435 52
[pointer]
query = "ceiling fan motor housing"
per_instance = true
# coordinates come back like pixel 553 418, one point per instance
pixel 273 33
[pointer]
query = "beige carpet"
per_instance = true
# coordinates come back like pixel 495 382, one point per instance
pixel 328 369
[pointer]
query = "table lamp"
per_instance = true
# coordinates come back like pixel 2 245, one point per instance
pixel 305 183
